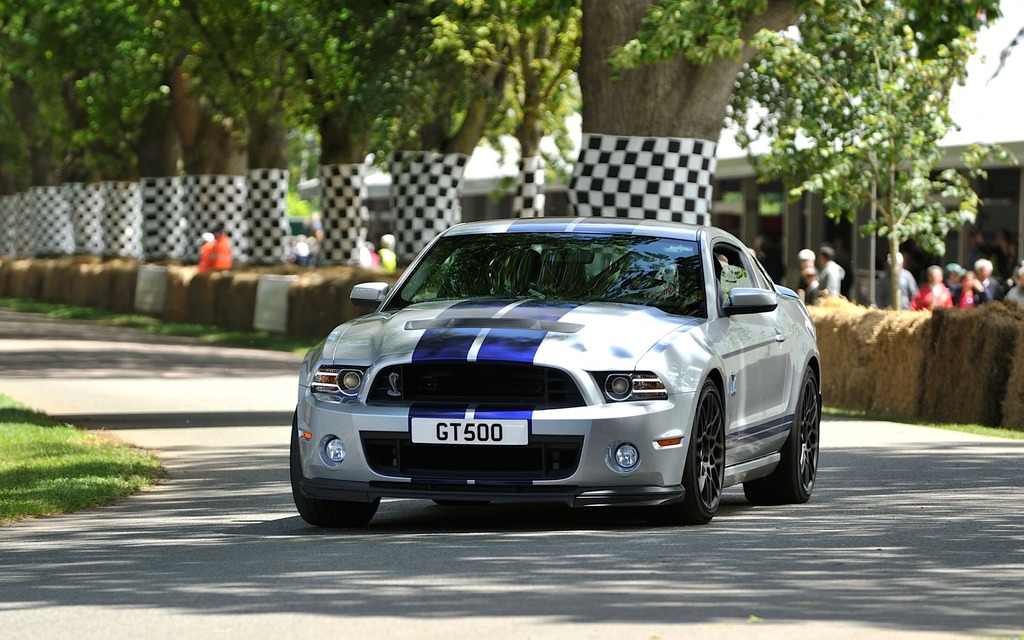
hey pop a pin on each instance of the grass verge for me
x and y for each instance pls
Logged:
(206, 333)
(976, 429)
(47, 467)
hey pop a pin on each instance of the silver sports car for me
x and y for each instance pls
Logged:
(587, 361)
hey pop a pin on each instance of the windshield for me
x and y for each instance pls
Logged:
(655, 272)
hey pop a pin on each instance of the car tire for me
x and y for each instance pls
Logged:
(793, 479)
(324, 513)
(704, 473)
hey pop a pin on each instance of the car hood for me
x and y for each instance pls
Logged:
(592, 336)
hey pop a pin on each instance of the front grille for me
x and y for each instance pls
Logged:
(472, 382)
(544, 458)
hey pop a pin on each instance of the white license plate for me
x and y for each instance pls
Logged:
(469, 431)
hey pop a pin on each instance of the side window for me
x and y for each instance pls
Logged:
(730, 270)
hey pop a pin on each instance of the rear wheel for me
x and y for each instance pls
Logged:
(704, 473)
(324, 513)
(793, 479)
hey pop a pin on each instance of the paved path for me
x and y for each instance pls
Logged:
(911, 533)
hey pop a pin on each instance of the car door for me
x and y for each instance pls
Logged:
(752, 347)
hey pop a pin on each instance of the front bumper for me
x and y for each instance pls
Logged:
(381, 461)
(638, 496)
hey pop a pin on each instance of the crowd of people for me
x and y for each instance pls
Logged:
(997, 276)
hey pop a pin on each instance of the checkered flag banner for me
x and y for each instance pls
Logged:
(343, 210)
(87, 203)
(267, 215)
(1005, 53)
(638, 177)
(425, 191)
(9, 206)
(528, 201)
(25, 236)
(212, 199)
(51, 218)
(163, 218)
(122, 219)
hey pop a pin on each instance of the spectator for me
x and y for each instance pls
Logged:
(216, 255)
(830, 278)
(806, 259)
(905, 282)
(388, 259)
(1016, 294)
(300, 251)
(993, 290)
(968, 293)
(933, 294)
(314, 228)
(811, 290)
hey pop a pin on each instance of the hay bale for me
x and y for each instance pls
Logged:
(124, 276)
(26, 279)
(176, 301)
(5, 277)
(56, 273)
(236, 300)
(1013, 397)
(968, 363)
(896, 353)
(202, 298)
(318, 302)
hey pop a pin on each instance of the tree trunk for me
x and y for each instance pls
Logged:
(340, 143)
(159, 148)
(669, 99)
(266, 141)
(43, 168)
(210, 146)
(895, 291)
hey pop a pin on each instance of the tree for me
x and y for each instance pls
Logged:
(853, 108)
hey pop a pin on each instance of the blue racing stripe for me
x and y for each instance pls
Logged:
(761, 431)
(521, 345)
(452, 344)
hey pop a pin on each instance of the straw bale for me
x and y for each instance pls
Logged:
(1013, 398)
(319, 301)
(56, 273)
(26, 279)
(896, 354)
(124, 277)
(176, 301)
(968, 362)
(91, 285)
(5, 276)
(202, 298)
(236, 300)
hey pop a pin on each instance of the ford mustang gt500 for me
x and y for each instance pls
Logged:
(588, 361)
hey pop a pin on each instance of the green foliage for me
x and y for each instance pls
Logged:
(297, 207)
(699, 30)
(853, 109)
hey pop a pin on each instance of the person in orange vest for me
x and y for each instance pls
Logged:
(216, 254)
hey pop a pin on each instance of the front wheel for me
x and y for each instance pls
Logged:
(704, 473)
(324, 513)
(793, 479)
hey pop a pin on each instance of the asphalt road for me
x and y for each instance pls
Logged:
(911, 532)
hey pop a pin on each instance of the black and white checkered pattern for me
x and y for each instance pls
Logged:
(267, 215)
(528, 201)
(25, 236)
(86, 204)
(52, 220)
(210, 199)
(344, 214)
(425, 190)
(9, 208)
(638, 177)
(122, 219)
(163, 218)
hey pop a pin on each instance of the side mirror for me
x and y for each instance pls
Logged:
(744, 300)
(369, 294)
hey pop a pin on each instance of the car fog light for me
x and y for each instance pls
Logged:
(351, 380)
(618, 387)
(623, 457)
(334, 450)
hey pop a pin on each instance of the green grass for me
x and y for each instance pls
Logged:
(206, 333)
(976, 429)
(47, 467)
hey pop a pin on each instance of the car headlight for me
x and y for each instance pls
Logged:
(626, 386)
(336, 383)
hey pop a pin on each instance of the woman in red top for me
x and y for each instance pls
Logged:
(933, 294)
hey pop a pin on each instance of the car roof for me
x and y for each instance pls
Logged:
(584, 224)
